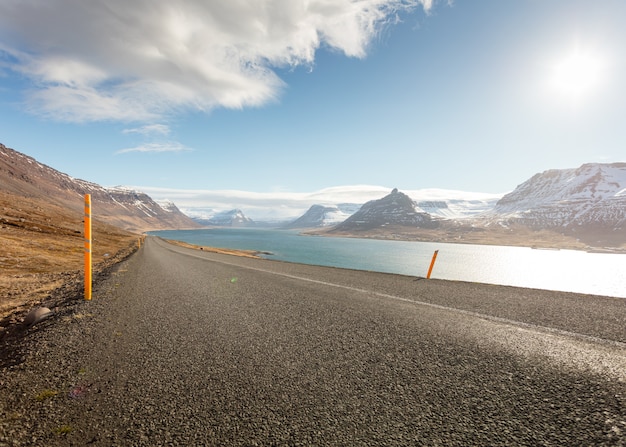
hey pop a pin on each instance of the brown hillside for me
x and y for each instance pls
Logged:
(41, 230)
(131, 210)
(41, 248)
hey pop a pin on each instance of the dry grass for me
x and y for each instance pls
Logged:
(42, 246)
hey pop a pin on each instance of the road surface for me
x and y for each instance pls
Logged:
(185, 347)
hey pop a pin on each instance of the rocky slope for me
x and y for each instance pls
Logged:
(395, 209)
(232, 218)
(23, 176)
(451, 207)
(589, 202)
(318, 216)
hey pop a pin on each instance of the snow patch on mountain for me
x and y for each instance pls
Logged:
(323, 216)
(167, 205)
(199, 212)
(230, 218)
(339, 213)
(592, 194)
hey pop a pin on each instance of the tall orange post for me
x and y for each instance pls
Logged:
(88, 274)
(432, 264)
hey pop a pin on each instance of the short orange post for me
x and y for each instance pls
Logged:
(432, 264)
(88, 275)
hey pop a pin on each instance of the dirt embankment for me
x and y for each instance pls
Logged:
(42, 250)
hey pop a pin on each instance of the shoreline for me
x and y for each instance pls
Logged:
(419, 237)
(225, 251)
(256, 255)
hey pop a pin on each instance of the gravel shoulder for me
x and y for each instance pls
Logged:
(182, 347)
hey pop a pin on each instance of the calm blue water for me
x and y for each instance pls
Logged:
(568, 270)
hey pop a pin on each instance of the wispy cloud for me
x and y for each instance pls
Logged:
(149, 130)
(143, 60)
(169, 146)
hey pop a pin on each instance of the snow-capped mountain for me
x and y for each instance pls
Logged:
(168, 206)
(593, 195)
(198, 213)
(323, 216)
(439, 203)
(395, 209)
(232, 218)
(456, 208)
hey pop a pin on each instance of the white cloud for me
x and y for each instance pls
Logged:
(141, 60)
(168, 146)
(150, 129)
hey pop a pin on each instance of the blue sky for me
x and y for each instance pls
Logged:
(272, 97)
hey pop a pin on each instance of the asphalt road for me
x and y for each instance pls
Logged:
(185, 347)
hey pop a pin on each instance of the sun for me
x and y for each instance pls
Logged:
(577, 74)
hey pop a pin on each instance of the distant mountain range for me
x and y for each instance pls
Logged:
(23, 176)
(587, 204)
(436, 202)
(580, 207)
(341, 201)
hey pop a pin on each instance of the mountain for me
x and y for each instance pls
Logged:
(323, 216)
(279, 209)
(581, 208)
(395, 209)
(23, 176)
(451, 204)
(589, 202)
(168, 206)
(232, 218)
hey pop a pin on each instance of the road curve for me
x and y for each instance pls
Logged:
(184, 347)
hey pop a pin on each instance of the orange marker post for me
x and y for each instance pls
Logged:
(432, 264)
(88, 275)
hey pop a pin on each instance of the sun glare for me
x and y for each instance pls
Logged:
(577, 75)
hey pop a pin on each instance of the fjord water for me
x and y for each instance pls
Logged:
(566, 270)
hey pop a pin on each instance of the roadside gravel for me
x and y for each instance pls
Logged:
(180, 347)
